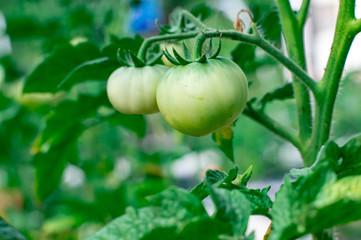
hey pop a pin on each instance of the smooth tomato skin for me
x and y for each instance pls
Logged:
(132, 90)
(200, 98)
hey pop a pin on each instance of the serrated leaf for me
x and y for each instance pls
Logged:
(224, 140)
(7, 232)
(351, 155)
(54, 69)
(204, 228)
(174, 198)
(290, 208)
(326, 158)
(281, 93)
(304, 206)
(232, 207)
(172, 209)
(212, 177)
(260, 201)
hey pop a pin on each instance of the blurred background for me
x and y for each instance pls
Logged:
(112, 167)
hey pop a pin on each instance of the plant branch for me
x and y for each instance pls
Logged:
(329, 84)
(142, 53)
(293, 34)
(194, 20)
(260, 42)
(302, 13)
(357, 26)
(271, 125)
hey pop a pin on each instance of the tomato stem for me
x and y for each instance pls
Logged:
(293, 34)
(329, 84)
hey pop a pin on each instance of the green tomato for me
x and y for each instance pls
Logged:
(200, 98)
(132, 90)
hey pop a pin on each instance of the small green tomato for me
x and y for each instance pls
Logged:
(132, 90)
(200, 98)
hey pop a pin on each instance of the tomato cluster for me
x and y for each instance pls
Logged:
(196, 99)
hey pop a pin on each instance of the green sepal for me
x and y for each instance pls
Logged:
(163, 29)
(170, 58)
(202, 59)
(218, 50)
(155, 59)
(180, 59)
(121, 60)
(136, 62)
(187, 53)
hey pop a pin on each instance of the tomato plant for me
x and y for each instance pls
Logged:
(200, 98)
(84, 160)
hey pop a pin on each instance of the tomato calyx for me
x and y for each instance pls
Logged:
(179, 60)
(131, 60)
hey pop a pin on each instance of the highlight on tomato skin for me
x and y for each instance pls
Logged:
(200, 98)
(132, 90)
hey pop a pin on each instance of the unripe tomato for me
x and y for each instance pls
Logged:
(200, 98)
(132, 90)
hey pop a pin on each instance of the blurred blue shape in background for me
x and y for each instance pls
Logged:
(143, 15)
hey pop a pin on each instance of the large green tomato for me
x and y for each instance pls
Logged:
(200, 98)
(132, 90)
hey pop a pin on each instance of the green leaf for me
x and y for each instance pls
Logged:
(265, 14)
(344, 197)
(162, 233)
(7, 232)
(5, 102)
(97, 69)
(175, 198)
(224, 140)
(293, 200)
(243, 179)
(281, 93)
(327, 158)
(212, 177)
(259, 199)
(130, 44)
(204, 228)
(351, 155)
(303, 206)
(232, 207)
(60, 137)
(173, 207)
(49, 166)
(244, 55)
(54, 69)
